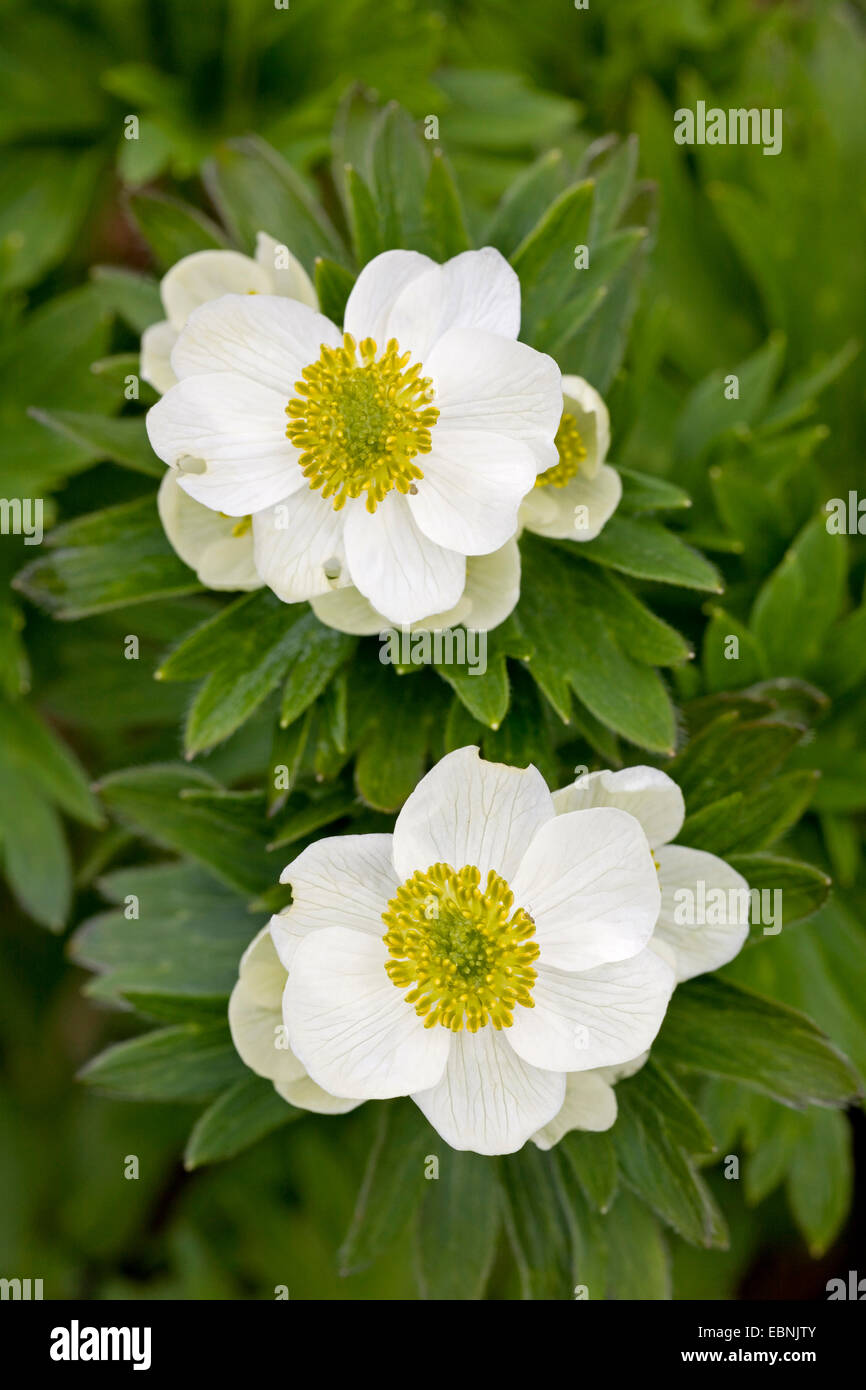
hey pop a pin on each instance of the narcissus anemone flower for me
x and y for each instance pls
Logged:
(378, 457)
(704, 916)
(573, 499)
(475, 958)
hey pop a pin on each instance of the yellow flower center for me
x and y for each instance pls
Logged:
(359, 420)
(245, 524)
(466, 954)
(572, 452)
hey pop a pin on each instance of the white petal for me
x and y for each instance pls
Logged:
(287, 278)
(492, 587)
(204, 539)
(404, 574)
(589, 882)
(590, 1103)
(342, 881)
(255, 1013)
(698, 885)
(477, 289)
(472, 488)
(376, 290)
(485, 382)
(649, 795)
(576, 512)
(206, 275)
(351, 1027)
(593, 421)
(468, 811)
(157, 343)
(238, 430)
(263, 337)
(489, 1100)
(597, 1018)
(619, 1073)
(348, 611)
(296, 542)
(306, 1095)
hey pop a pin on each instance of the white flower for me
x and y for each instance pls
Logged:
(380, 458)
(206, 275)
(694, 885)
(258, 1032)
(574, 499)
(476, 957)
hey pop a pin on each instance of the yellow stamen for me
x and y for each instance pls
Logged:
(360, 419)
(572, 452)
(466, 954)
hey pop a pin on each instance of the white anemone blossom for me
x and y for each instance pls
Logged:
(219, 548)
(490, 959)
(576, 497)
(376, 459)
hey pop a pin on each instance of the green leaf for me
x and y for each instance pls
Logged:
(628, 621)
(333, 287)
(363, 218)
(399, 165)
(708, 413)
(106, 560)
(803, 888)
(799, 602)
(242, 1115)
(46, 194)
(731, 665)
(593, 1160)
(751, 820)
(134, 297)
(401, 712)
(173, 229)
(225, 833)
(33, 850)
(657, 1097)
(643, 492)
(123, 441)
(253, 641)
(821, 1179)
(443, 211)
(31, 745)
(464, 1197)
(184, 1063)
(536, 1222)
(315, 654)
(525, 201)
(732, 754)
(614, 183)
(630, 1227)
(721, 1030)
(255, 191)
(579, 652)
(545, 258)
(392, 1186)
(183, 941)
(660, 1172)
(646, 550)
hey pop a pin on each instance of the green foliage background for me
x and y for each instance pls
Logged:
(740, 264)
